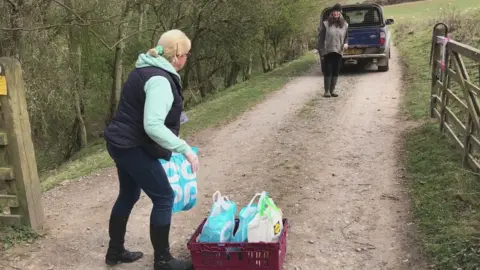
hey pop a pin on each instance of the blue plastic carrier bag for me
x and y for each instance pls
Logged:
(182, 180)
(245, 216)
(221, 222)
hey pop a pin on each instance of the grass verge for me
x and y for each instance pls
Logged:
(415, 50)
(445, 200)
(444, 195)
(423, 9)
(220, 109)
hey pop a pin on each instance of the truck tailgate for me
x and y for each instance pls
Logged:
(364, 37)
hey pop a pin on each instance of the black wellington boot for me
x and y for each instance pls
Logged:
(161, 246)
(332, 86)
(116, 251)
(327, 81)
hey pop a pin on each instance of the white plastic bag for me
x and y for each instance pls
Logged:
(245, 217)
(267, 225)
(221, 221)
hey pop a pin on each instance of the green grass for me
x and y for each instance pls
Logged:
(426, 9)
(445, 200)
(415, 51)
(218, 110)
(9, 236)
(444, 195)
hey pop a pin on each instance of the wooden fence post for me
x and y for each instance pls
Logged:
(19, 168)
(443, 92)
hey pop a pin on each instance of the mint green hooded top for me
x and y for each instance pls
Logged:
(158, 102)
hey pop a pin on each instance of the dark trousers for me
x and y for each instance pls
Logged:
(332, 64)
(139, 171)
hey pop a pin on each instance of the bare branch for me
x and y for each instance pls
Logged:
(14, 5)
(83, 21)
(134, 33)
(69, 10)
(159, 12)
(46, 27)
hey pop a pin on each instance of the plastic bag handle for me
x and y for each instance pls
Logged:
(222, 200)
(272, 205)
(253, 199)
(216, 194)
(262, 203)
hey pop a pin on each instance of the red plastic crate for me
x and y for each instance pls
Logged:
(234, 256)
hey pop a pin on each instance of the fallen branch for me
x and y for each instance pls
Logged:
(193, 94)
(369, 246)
(390, 197)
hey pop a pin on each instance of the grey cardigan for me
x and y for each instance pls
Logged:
(332, 39)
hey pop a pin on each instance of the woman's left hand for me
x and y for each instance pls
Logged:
(193, 159)
(345, 46)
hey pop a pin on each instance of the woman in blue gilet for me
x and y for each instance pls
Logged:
(145, 128)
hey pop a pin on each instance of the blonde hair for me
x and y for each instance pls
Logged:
(171, 44)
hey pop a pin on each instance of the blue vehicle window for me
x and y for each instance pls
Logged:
(361, 16)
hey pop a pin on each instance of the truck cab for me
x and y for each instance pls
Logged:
(369, 37)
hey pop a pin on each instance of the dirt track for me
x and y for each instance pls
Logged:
(330, 164)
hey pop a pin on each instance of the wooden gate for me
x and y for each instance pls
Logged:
(20, 194)
(455, 90)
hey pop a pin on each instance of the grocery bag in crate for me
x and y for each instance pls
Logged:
(245, 216)
(182, 180)
(267, 224)
(221, 222)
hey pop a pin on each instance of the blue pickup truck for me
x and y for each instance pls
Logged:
(369, 38)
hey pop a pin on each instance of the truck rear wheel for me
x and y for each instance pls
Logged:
(383, 68)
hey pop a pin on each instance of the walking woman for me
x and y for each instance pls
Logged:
(144, 129)
(332, 42)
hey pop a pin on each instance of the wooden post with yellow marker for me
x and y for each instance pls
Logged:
(20, 192)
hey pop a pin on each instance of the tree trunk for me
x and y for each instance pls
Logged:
(154, 38)
(275, 56)
(265, 65)
(118, 66)
(225, 76)
(20, 18)
(247, 71)
(143, 16)
(75, 64)
(79, 107)
(270, 64)
(200, 79)
(186, 75)
(199, 72)
(233, 74)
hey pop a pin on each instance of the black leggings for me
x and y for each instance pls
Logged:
(138, 171)
(331, 66)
